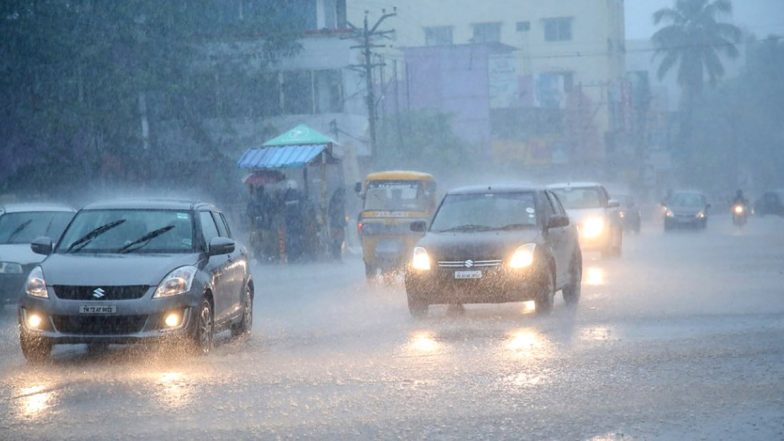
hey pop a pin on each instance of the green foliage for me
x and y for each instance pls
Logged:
(423, 140)
(738, 131)
(74, 75)
(693, 39)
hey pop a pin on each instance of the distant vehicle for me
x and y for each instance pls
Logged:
(686, 209)
(495, 245)
(771, 202)
(596, 216)
(740, 214)
(391, 201)
(20, 224)
(629, 212)
(133, 271)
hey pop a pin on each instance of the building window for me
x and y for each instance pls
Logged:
(265, 94)
(558, 29)
(329, 91)
(438, 36)
(487, 33)
(523, 26)
(297, 92)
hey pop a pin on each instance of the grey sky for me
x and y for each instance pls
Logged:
(761, 17)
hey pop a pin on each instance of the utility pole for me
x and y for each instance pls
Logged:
(366, 37)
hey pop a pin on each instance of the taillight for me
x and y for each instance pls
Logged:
(360, 227)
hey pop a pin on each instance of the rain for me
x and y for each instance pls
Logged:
(409, 219)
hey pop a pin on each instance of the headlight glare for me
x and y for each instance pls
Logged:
(523, 256)
(35, 286)
(593, 227)
(669, 213)
(176, 282)
(421, 260)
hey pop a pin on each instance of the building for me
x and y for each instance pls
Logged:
(559, 84)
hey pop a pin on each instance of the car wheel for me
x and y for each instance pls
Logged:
(202, 336)
(571, 292)
(246, 324)
(35, 349)
(417, 308)
(545, 298)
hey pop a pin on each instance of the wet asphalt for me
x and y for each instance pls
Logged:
(681, 338)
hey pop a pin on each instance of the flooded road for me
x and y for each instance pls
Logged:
(681, 338)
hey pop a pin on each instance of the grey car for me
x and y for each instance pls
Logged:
(495, 245)
(134, 271)
(20, 224)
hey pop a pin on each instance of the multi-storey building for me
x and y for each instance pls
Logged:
(558, 89)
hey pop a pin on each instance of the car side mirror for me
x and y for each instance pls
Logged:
(558, 222)
(220, 245)
(358, 188)
(42, 245)
(612, 203)
(418, 226)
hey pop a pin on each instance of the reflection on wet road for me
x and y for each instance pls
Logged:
(678, 339)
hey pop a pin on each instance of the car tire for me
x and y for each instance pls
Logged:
(246, 324)
(545, 297)
(417, 308)
(35, 349)
(571, 292)
(205, 327)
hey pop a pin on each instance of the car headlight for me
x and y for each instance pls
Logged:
(176, 282)
(669, 213)
(523, 256)
(701, 215)
(593, 227)
(421, 260)
(10, 268)
(35, 285)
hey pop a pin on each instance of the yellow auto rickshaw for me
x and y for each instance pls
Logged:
(391, 201)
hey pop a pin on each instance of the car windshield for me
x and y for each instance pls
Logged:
(121, 231)
(580, 197)
(687, 200)
(485, 212)
(24, 227)
(395, 196)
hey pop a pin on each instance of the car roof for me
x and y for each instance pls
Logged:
(150, 204)
(582, 184)
(26, 207)
(399, 175)
(475, 189)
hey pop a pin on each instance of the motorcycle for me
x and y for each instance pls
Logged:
(740, 215)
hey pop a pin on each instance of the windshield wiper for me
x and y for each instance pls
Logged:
(19, 229)
(469, 227)
(84, 240)
(144, 240)
(514, 227)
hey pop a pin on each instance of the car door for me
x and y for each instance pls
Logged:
(235, 269)
(217, 266)
(559, 238)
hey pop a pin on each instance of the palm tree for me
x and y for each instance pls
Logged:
(693, 39)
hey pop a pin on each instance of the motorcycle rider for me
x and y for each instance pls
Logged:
(740, 200)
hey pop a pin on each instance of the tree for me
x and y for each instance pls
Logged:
(693, 40)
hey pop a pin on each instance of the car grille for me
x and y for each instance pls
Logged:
(99, 325)
(469, 263)
(108, 292)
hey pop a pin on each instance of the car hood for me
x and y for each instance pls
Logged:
(112, 269)
(20, 253)
(476, 246)
(578, 216)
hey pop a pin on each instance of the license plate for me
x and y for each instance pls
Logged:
(468, 274)
(389, 247)
(97, 309)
